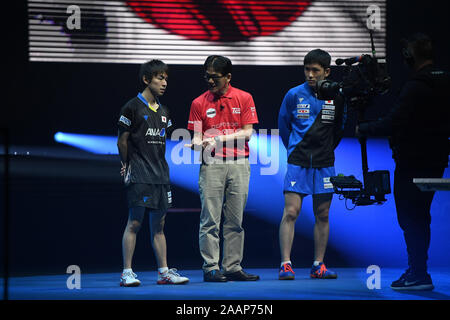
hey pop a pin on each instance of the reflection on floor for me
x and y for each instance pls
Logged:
(350, 285)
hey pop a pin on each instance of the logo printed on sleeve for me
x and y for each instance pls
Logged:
(327, 184)
(163, 119)
(125, 120)
(327, 117)
(293, 183)
(329, 112)
(211, 113)
(303, 110)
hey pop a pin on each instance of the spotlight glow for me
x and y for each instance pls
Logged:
(92, 143)
(367, 235)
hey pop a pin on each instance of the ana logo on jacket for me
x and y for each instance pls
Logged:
(155, 132)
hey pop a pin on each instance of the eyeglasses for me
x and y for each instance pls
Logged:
(214, 77)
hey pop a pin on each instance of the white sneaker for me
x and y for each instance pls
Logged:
(128, 279)
(171, 277)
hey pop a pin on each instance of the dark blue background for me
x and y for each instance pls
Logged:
(73, 211)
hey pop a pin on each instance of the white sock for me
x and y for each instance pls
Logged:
(127, 270)
(316, 263)
(163, 270)
(285, 262)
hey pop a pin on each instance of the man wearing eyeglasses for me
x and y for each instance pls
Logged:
(222, 119)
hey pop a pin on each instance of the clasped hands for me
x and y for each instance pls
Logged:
(205, 144)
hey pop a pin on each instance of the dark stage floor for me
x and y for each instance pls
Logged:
(350, 285)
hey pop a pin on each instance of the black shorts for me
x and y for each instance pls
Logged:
(153, 196)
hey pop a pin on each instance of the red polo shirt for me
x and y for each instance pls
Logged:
(212, 116)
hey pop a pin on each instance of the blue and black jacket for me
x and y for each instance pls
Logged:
(311, 128)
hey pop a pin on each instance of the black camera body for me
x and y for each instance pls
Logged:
(377, 185)
(360, 84)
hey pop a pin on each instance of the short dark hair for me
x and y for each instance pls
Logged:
(422, 45)
(219, 64)
(319, 56)
(151, 69)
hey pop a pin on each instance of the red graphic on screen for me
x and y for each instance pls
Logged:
(220, 20)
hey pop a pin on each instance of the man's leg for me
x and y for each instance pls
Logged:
(321, 208)
(292, 205)
(413, 213)
(211, 187)
(236, 193)
(157, 219)
(165, 275)
(136, 215)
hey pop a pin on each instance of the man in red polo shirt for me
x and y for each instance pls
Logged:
(222, 119)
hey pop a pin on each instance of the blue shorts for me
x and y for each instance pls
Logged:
(308, 180)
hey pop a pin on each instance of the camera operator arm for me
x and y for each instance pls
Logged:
(399, 116)
(381, 127)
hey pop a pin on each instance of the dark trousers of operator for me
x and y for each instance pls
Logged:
(413, 213)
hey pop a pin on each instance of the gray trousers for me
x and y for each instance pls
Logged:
(223, 187)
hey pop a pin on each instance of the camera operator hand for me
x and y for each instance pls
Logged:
(361, 130)
(357, 132)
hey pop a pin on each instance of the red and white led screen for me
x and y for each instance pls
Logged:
(255, 32)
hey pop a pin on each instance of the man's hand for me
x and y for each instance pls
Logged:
(123, 170)
(194, 146)
(357, 133)
(209, 143)
(196, 142)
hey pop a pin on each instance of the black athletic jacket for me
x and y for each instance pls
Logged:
(419, 125)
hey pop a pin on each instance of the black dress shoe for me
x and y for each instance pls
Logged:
(241, 275)
(214, 276)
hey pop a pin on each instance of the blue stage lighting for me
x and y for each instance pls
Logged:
(366, 235)
(92, 143)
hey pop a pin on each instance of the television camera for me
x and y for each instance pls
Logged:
(361, 82)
